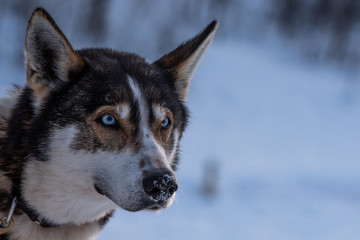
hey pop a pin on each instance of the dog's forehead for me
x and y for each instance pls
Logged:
(109, 71)
(115, 65)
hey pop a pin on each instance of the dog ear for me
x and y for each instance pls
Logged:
(182, 61)
(49, 56)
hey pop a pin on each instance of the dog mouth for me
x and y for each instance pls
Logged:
(99, 190)
(146, 205)
(149, 204)
(155, 208)
(146, 202)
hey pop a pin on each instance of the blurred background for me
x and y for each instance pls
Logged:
(272, 149)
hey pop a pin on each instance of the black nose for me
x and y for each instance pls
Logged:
(160, 186)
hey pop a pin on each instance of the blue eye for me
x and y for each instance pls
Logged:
(165, 123)
(108, 120)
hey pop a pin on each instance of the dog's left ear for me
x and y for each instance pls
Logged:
(182, 61)
(49, 57)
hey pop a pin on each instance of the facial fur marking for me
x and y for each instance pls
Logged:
(159, 112)
(123, 110)
(175, 146)
(151, 147)
(142, 106)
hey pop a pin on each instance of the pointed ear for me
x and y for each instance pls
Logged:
(182, 61)
(49, 56)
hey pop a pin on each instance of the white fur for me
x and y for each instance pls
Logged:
(143, 110)
(123, 111)
(159, 112)
(62, 188)
(171, 156)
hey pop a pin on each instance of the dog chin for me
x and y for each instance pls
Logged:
(158, 206)
(148, 205)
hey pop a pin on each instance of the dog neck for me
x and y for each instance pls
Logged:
(26, 229)
(32, 214)
(28, 225)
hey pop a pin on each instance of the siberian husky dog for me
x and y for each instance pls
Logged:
(91, 130)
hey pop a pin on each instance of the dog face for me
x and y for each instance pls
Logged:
(105, 125)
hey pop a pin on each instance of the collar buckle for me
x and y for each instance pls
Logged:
(7, 223)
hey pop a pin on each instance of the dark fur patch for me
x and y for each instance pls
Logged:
(4, 237)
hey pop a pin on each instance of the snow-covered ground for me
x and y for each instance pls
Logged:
(285, 136)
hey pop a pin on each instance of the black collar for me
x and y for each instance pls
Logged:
(33, 215)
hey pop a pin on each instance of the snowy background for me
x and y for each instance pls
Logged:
(275, 111)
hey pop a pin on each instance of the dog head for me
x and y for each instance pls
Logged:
(105, 125)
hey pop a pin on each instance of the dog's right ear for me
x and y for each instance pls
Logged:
(182, 61)
(48, 54)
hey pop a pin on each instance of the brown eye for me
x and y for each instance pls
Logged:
(165, 123)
